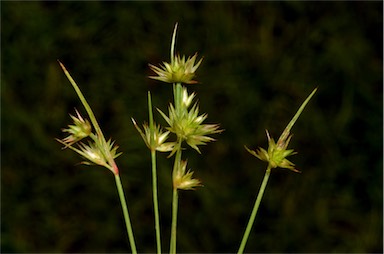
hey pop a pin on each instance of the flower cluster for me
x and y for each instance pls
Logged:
(183, 118)
(81, 129)
(276, 154)
(97, 151)
(179, 70)
(187, 124)
(159, 137)
(182, 179)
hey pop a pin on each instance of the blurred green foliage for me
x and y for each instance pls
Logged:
(261, 60)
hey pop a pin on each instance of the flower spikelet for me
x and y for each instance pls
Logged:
(81, 129)
(188, 125)
(183, 179)
(276, 154)
(97, 152)
(93, 154)
(179, 70)
(159, 137)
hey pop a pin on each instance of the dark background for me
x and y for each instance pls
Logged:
(261, 60)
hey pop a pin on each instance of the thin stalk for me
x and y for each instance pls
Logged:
(155, 202)
(83, 101)
(111, 162)
(254, 211)
(175, 198)
(126, 214)
(154, 176)
(177, 95)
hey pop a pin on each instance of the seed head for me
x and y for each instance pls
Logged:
(159, 137)
(179, 70)
(182, 178)
(187, 124)
(81, 129)
(278, 152)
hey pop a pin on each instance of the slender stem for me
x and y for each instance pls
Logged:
(155, 201)
(126, 214)
(154, 175)
(151, 124)
(174, 221)
(176, 168)
(111, 162)
(254, 211)
(177, 95)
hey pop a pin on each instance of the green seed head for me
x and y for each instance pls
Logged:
(183, 179)
(277, 153)
(81, 129)
(179, 70)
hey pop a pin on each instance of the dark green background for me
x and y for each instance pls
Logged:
(261, 60)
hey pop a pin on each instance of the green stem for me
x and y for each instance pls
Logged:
(111, 162)
(155, 201)
(83, 100)
(154, 175)
(177, 94)
(126, 214)
(174, 221)
(254, 211)
(176, 167)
